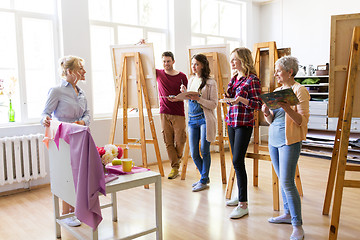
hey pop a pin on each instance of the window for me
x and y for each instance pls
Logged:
(28, 55)
(122, 22)
(217, 22)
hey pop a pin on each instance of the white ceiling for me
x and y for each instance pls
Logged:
(262, 1)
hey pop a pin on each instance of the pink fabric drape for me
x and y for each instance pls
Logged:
(87, 171)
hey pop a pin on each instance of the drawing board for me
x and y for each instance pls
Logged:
(148, 63)
(341, 33)
(224, 59)
(264, 74)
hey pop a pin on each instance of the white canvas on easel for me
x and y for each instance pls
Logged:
(223, 55)
(147, 58)
(135, 87)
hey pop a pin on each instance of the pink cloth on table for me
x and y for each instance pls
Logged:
(51, 131)
(87, 171)
(117, 169)
(110, 177)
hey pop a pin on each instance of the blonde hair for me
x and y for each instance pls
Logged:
(247, 63)
(70, 63)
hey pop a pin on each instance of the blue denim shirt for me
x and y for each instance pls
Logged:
(277, 129)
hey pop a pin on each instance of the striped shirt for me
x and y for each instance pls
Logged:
(249, 88)
(65, 105)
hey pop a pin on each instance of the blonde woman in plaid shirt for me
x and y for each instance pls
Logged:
(244, 90)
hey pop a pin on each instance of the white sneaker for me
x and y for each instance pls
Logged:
(199, 186)
(239, 212)
(72, 221)
(194, 184)
(280, 219)
(232, 202)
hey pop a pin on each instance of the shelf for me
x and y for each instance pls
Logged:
(316, 85)
(319, 93)
(323, 76)
(329, 135)
(321, 143)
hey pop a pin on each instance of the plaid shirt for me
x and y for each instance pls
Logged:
(247, 87)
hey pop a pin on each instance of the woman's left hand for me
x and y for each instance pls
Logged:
(234, 101)
(81, 122)
(285, 105)
(193, 97)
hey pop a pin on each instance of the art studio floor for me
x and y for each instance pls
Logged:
(193, 216)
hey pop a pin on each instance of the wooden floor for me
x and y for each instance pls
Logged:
(192, 216)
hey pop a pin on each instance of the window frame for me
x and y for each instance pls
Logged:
(241, 39)
(19, 15)
(114, 26)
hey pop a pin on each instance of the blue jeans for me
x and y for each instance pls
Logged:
(197, 132)
(284, 160)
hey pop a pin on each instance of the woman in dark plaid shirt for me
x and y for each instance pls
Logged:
(243, 92)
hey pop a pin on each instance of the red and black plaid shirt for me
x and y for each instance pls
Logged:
(247, 87)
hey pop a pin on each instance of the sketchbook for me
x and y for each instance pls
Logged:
(184, 95)
(286, 95)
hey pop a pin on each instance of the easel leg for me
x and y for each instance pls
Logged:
(298, 181)
(150, 116)
(230, 182)
(185, 159)
(334, 159)
(221, 145)
(256, 150)
(345, 133)
(141, 113)
(331, 177)
(275, 180)
(335, 215)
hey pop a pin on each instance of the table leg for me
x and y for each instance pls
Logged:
(95, 235)
(158, 208)
(114, 206)
(57, 215)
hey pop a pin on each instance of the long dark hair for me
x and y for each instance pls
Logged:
(205, 71)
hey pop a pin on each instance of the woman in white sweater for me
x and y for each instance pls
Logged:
(202, 120)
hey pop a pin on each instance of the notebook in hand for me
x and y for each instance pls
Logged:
(185, 95)
(285, 95)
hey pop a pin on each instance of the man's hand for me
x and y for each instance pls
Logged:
(172, 98)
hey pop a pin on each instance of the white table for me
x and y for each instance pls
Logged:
(122, 183)
(62, 186)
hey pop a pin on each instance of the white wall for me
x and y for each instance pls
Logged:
(304, 26)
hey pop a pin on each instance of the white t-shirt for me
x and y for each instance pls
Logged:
(195, 84)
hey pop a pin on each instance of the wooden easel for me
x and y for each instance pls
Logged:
(220, 138)
(273, 56)
(338, 164)
(141, 89)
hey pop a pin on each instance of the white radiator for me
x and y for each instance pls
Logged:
(22, 158)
